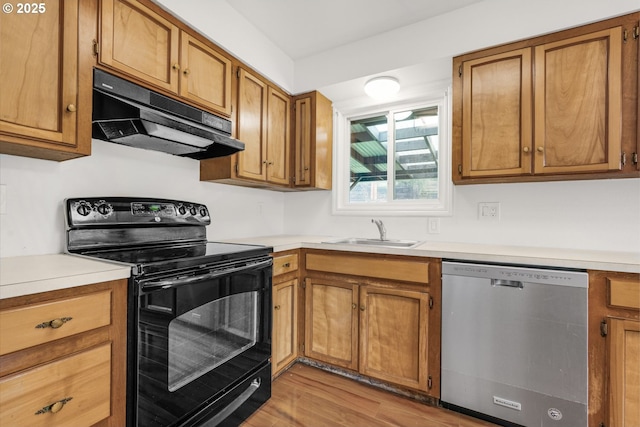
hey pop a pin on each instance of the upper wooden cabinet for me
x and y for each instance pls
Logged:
(45, 106)
(263, 124)
(138, 41)
(313, 137)
(562, 106)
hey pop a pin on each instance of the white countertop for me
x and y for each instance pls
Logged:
(25, 275)
(551, 257)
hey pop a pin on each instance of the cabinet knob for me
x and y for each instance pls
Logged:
(54, 324)
(186, 71)
(540, 149)
(354, 306)
(362, 308)
(277, 307)
(176, 66)
(525, 149)
(71, 108)
(54, 407)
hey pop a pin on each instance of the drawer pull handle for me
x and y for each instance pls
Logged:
(54, 407)
(55, 323)
(286, 265)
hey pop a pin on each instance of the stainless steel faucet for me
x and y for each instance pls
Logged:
(381, 229)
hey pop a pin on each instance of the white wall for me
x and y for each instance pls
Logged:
(596, 215)
(34, 222)
(603, 214)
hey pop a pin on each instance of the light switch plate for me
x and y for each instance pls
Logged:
(433, 225)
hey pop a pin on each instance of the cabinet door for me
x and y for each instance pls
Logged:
(578, 103)
(624, 373)
(313, 137)
(393, 335)
(496, 115)
(278, 131)
(205, 75)
(39, 75)
(285, 325)
(139, 42)
(252, 117)
(331, 322)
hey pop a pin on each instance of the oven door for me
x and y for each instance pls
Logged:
(199, 336)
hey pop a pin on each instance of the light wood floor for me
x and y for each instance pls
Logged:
(305, 396)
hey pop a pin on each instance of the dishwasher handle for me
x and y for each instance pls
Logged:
(507, 283)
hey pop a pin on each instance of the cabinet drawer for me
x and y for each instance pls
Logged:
(82, 381)
(36, 324)
(285, 264)
(382, 268)
(624, 293)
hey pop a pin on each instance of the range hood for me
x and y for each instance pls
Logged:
(126, 113)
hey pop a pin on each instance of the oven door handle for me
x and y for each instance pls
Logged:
(150, 285)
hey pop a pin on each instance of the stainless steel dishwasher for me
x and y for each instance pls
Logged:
(514, 343)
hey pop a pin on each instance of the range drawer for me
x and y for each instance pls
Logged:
(74, 391)
(35, 324)
(284, 264)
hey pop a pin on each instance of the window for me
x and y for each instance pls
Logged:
(395, 160)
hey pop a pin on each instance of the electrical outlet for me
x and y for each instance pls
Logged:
(433, 226)
(3, 199)
(489, 211)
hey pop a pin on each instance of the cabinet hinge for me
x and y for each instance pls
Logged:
(429, 382)
(634, 158)
(238, 73)
(237, 169)
(302, 348)
(604, 328)
(636, 32)
(623, 158)
(96, 48)
(430, 302)
(304, 284)
(460, 71)
(460, 169)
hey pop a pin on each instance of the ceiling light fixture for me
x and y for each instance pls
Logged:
(382, 87)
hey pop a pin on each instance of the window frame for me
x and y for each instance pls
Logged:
(442, 206)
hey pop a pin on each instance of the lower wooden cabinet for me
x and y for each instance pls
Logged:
(393, 335)
(63, 357)
(70, 391)
(285, 303)
(284, 341)
(614, 349)
(624, 372)
(372, 314)
(331, 322)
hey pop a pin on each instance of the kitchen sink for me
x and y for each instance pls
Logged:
(407, 244)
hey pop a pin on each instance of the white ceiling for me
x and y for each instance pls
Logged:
(302, 28)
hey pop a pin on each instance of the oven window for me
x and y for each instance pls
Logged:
(207, 336)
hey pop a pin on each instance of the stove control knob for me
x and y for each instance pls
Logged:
(83, 209)
(104, 208)
(182, 210)
(193, 210)
(203, 211)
